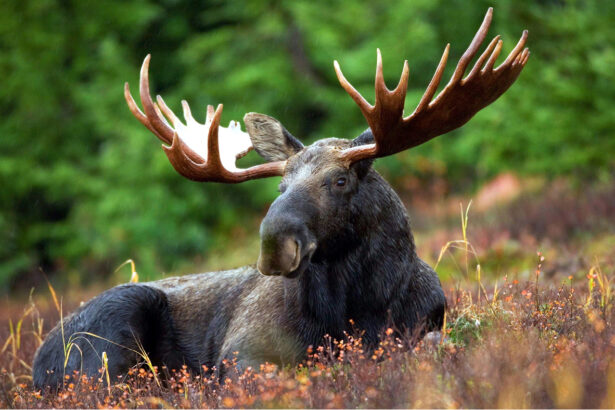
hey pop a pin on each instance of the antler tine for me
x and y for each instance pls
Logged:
(494, 56)
(167, 111)
(161, 115)
(389, 104)
(187, 112)
(478, 39)
(381, 88)
(213, 146)
(210, 114)
(134, 109)
(383, 94)
(434, 83)
(487, 54)
(526, 55)
(155, 119)
(402, 85)
(513, 54)
(365, 107)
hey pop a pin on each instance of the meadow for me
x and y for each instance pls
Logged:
(529, 323)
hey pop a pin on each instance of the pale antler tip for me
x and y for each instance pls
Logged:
(405, 72)
(527, 57)
(489, 14)
(486, 22)
(145, 70)
(402, 86)
(445, 53)
(339, 74)
(378, 62)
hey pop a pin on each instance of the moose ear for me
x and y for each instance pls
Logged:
(270, 139)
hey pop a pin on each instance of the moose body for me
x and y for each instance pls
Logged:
(372, 276)
(337, 253)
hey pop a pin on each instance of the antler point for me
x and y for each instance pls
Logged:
(489, 14)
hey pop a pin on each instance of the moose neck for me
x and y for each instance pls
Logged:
(357, 274)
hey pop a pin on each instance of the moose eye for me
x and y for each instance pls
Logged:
(341, 181)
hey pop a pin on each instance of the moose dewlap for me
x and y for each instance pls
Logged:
(336, 244)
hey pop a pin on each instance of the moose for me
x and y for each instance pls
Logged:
(336, 251)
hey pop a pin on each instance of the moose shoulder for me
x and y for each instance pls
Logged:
(336, 244)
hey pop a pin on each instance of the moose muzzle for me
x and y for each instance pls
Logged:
(279, 257)
(286, 243)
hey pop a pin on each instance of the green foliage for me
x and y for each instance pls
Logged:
(85, 187)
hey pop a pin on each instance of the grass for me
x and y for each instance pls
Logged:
(539, 334)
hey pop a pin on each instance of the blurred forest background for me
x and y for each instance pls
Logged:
(84, 186)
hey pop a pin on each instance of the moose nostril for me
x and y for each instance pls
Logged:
(290, 254)
(297, 255)
(279, 256)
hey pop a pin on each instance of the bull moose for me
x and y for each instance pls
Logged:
(335, 245)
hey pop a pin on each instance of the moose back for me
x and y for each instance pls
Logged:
(336, 244)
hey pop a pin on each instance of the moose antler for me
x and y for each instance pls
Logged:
(453, 107)
(195, 150)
